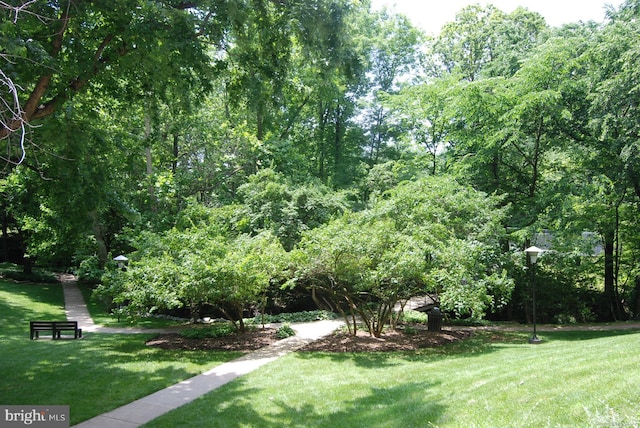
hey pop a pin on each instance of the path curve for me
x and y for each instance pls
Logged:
(152, 406)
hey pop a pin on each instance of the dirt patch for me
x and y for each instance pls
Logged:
(339, 341)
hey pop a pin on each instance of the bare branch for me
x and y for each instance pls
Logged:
(11, 113)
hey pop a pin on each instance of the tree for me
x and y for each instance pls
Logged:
(271, 203)
(72, 45)
(486, 42)
(461, 230)
(360, 268)
(614, 123)
(422, 109)
(11, 115)
(393, 57)
(244, 275)
(195, 267)
(430, 235)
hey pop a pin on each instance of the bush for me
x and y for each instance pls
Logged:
(413, 317)
(304, 316)
(89, 270)
(285, 331)
(217, 330)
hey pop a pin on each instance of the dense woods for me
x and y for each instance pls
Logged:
(252, 155)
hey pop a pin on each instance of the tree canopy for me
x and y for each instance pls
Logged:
(246, 149)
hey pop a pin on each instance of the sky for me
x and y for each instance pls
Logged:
(430, 15)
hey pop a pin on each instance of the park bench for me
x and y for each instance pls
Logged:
(55, 327)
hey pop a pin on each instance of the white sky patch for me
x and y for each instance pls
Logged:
(431, 15)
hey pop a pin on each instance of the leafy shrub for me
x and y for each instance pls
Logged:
(285, 331)
(89, 270)
(304, 316)
(413, 317)
(216, 330)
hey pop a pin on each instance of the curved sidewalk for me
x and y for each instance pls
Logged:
(152, 406)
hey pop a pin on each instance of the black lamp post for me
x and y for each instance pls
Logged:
(533, 253)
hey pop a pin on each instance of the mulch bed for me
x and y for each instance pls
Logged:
(249, 341)
(340, 341)
(390, 341)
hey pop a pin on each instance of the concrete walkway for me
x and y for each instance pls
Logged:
(76, 310)
(152, 406)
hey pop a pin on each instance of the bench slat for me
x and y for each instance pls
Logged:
(55, 327)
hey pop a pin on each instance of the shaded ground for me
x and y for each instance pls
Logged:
(249, 341)
(337, 342)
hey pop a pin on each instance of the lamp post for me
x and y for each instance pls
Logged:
(533, 253)
(122, 261)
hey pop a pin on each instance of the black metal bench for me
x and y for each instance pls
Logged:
(55, 327)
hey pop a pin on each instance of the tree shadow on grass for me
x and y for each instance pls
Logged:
(588, 334)
(21, 303)
(480, 343)
(401, 405)
(95, 374)
(395, 406)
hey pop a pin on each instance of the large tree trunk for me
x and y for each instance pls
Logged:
(614, 306)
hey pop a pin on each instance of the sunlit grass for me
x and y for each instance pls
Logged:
(583, 378)
(93, 375)
(493, 380)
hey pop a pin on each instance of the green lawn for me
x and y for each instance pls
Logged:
(93, 375)
(494, 380)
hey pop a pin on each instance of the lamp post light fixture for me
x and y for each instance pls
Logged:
(122, 261)
(533, 253)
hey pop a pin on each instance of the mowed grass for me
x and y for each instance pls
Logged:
(586, 379)
(93, 375)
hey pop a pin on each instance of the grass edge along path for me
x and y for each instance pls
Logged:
(575, 378)
(93, 375)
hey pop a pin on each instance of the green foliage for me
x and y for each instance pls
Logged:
(413, 317)
(89, 270)
(218, 330)
(271, 203)
(285, 331)
(291, 317)
(216, 148)
(429, 235)
(193, 267)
